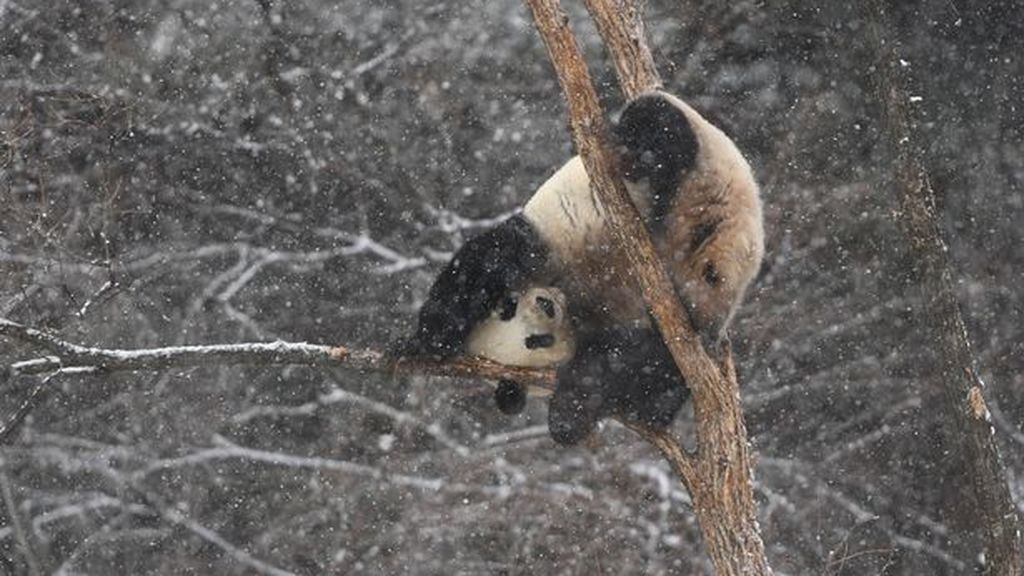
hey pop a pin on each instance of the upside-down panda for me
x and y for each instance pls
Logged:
(701, 205)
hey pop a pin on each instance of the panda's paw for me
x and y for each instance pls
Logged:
(510, 397)
(568, 433)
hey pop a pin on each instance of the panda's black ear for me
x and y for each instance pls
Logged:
(657, 143)
(508, 308)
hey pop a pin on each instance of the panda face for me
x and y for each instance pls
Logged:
(530, 328)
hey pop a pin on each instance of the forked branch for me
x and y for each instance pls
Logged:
(719, 475)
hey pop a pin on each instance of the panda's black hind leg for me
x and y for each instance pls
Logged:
(482, 273)
(625, 373)
(643, 384)
(658, 144)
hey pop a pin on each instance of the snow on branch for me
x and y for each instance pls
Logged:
(64, 355)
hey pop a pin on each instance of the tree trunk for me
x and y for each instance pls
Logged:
(963, 401)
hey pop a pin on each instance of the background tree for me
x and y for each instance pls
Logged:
(961, 394)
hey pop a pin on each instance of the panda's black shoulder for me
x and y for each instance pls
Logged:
(658, 143)
(654, 123)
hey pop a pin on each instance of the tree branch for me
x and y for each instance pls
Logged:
(621, 26)
(718, 476)
(67, 355)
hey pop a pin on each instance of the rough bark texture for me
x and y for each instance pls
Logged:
(621, 25)
(963, 401)
(719, 474)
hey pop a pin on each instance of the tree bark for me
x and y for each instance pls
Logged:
(68, 357)
(963, 402)
(621, 25)
(718, 476)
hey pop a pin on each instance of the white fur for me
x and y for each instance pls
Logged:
(504, 341)
(588, 264)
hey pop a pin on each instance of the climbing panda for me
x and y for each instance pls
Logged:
(701, 205)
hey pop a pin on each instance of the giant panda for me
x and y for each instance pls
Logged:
(698, 198)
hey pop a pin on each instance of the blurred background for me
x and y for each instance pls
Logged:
(188, 172)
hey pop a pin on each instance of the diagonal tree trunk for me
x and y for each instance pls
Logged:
(718, 475)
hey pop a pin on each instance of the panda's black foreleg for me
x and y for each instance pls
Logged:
(653, 391)
(657, 146)
(641, 382)
(473, 284)
(616, 372)
(578, 401)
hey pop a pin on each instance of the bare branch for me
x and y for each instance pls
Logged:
(621, 25)
(10, 424)
(13, 517)
(67, 355)
(210, 536)
(337, 395)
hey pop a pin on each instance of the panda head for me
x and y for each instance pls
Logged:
(530, 328)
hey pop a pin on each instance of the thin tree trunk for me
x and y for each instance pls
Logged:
(963, 401)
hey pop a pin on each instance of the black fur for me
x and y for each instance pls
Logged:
(483, 272)
(702, 233)
(534, 341)
(711, 275)
(547, 305)
(508, 309)
(658, 143)
(620, 372)
(510, 397)
(627, 373)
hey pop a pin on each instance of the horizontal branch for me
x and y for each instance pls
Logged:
(64, 355)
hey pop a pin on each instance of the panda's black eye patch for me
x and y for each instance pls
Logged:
(711, 275)
(547, 306)
(535, 341)
(508, 309)
(702, 232)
